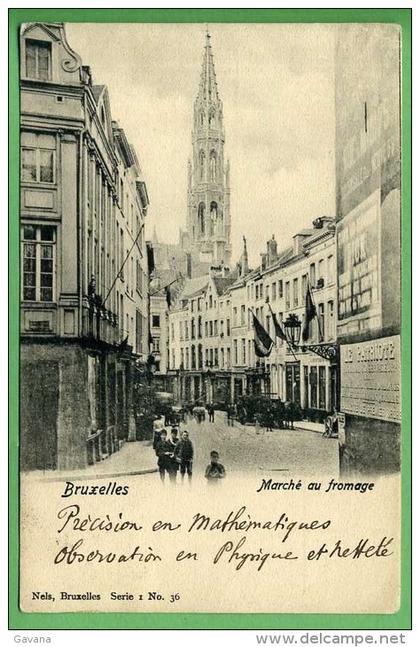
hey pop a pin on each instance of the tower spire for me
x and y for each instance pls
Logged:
(208, 192)
(208, 85)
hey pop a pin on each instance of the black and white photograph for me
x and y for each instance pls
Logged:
(210, 290)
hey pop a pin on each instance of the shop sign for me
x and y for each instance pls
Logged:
(371, 379)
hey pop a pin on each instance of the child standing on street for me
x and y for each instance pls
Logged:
(184, 454)
(215, 470)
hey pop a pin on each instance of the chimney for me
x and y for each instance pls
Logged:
(263, 261)
(271, 251)
(244, 267)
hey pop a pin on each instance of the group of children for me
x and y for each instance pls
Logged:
(176, 454)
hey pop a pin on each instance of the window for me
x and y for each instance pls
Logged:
(322, 389)
(330, 269)
(38, 60)
(139, 277)
(38, 260)
(312, 275)
(243, 351)
(172, 331)
(274, 291)
(228, 358)
(313, 382)
(138, 331)
(280, 289)
(235, 351)
(215, 327)
(330, 320)
(211, 328)
(38, 158)
(267, 323)
(304, 287)
(222, 357)
(121, 254)
(206, 329)
(242, 315)
(267, 292)
(228, 327)
(156, 344)
(321, 319)
(295, 293)
(216, 357)
(321, 270)
(235, 316)
(287, 295)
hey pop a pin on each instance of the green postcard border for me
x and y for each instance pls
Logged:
(53, 621)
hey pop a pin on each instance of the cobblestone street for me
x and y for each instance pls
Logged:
(289, 451)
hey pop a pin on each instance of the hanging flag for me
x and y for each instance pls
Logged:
(168, 296)
(310, 313)
(262, 340)
(122, 347)
(277, 325)
(150, 258)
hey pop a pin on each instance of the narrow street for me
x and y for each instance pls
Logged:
(241, 449)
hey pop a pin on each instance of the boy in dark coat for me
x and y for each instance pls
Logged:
(165, 453)
(184, 454)
(215, 470)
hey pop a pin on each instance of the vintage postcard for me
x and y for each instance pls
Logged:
(212, 230)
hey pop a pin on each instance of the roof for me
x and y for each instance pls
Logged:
(194, 286)
(222, 283)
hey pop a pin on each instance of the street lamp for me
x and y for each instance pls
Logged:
(292, 327)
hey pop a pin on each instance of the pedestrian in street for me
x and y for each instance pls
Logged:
(215, 470)
(174, 440)
(184, 454)
(229, 414)
(269, 420)
(233, 414)
(210, 410)
(165, 453)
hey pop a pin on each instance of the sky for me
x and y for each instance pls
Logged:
(277, 87)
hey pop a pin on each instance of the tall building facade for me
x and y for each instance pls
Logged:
(211, 332)
(368, 245)
(84, 275)
(208, 219)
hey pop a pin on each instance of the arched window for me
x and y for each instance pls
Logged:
(213, 165)
(201, 218)
(212, 118)
(201, 118)
(201, 158)
(213, 217)
(102, 115)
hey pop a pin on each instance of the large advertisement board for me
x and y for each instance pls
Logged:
(359, 267)
(370, 379)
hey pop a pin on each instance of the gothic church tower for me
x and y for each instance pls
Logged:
(208, 222)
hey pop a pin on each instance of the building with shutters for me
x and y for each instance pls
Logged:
(84, 275)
